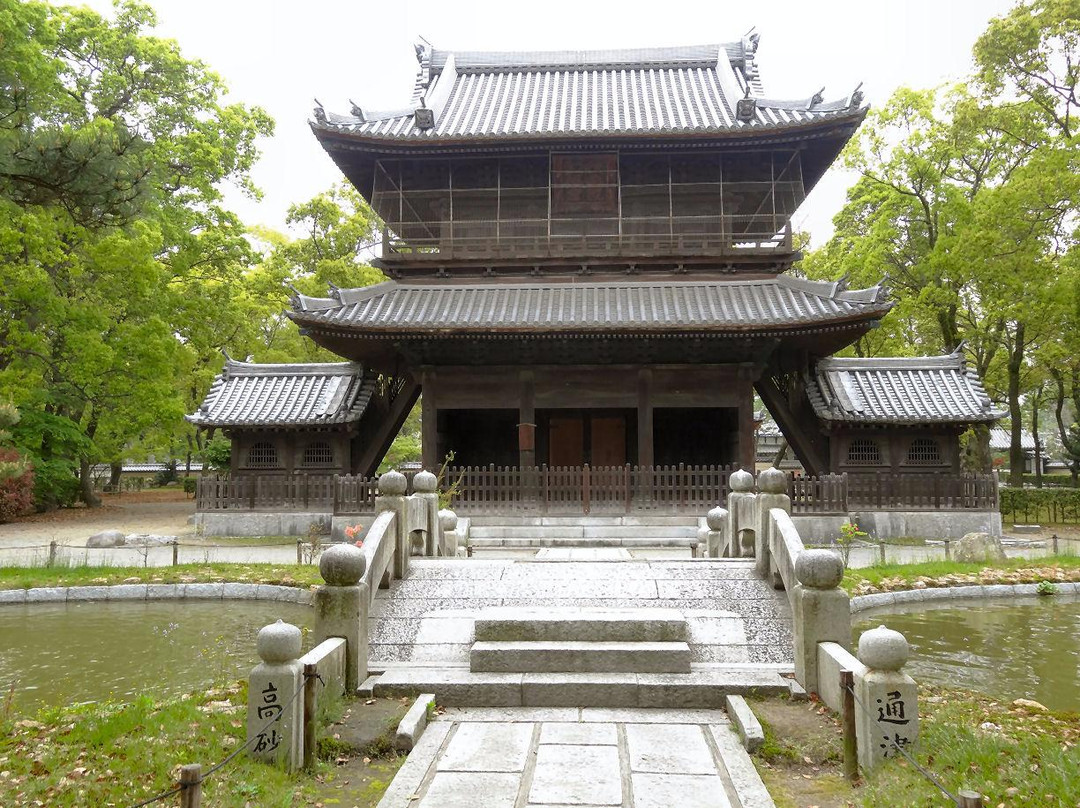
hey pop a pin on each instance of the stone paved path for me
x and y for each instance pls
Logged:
(733, 617)
(519, 757)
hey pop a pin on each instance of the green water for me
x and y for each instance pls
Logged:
(1006, 649)
(68, 653)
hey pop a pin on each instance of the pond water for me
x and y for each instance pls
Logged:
(1006, 649)
(68, 653)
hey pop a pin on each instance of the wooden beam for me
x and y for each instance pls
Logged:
(801, 433)
(646, 454)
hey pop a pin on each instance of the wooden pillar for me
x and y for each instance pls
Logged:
(429, 434)
(646, 455)
(527, 420)
(747, 449)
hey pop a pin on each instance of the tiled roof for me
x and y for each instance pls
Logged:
(780, 302)
(253, 395)
(1001, 439)
(648, 91)
(909, 390)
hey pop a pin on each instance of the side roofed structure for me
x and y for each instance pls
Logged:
(897, 414)
(290, 418)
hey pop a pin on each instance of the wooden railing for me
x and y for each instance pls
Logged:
(602, 490)
(253, 493)
(901, 492)
(588, 489)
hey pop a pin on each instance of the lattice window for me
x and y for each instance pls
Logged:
(262, 455)
(924, 452)
(864, 452)
(318, 454)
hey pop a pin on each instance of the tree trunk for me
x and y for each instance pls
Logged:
(1016, 451)
(781, 453)
(116, 468)
(979, 459)
(1037, 459)
(86, 485)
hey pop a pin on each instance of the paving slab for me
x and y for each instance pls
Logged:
(669, 749)
(624, 759)
(577, 775)
(579, 734)
(485, 747)
(683, 790)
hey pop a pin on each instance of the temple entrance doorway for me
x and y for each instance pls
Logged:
(579, 437)
(696, 436)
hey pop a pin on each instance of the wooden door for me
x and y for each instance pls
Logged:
(608, 440)
(566, 440)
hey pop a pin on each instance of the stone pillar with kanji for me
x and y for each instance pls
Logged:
(275, 725)
(341, 608)
(886, 706)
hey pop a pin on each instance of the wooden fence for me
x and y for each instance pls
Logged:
(588, 489)
(602, 490)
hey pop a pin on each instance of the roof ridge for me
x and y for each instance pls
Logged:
(468, 61)
(235, 367)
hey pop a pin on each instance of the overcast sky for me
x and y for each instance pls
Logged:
(280, 54)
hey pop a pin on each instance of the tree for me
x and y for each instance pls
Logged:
(113, 147)
(16, 473)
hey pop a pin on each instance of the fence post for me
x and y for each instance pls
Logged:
(311, 681)
(881, 551)
(299, 551)
(1054, 539)
(175, 552)
(52, 552)
(970, 799)
(948, 550)
(191, 786)
(851, 747)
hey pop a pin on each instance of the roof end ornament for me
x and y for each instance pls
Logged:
(816, 98)
(320, 113)
(856, 97)
(357, 112)
(746, 107)
(297, 297)
(424, 116)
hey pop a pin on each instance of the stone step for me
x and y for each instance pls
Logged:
(580, 657)
(583, 531)
(565, 541)
(570, 624)
(460, 687)
(583, 520)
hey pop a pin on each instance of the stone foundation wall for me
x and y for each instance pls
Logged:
(894, 524)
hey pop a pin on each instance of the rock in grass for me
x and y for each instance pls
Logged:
(978, 548)
(106, 538)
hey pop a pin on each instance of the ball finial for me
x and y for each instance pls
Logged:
(425, 483)
(772, 481)
(393, 484)
(882, 649)
(342, 565)
(278, 642)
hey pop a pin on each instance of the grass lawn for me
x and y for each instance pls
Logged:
(280, 574)
(1016, 756)
(893, 577)
(118, 754)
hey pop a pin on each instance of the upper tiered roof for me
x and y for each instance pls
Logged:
(645, 92)
(906, 390)
(301, 395)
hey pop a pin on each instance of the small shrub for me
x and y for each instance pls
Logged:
(849, 535)
(1046, 588)
(189, 485)
(16, 484)
(166, 475)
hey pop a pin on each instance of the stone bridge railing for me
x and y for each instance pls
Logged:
(758, 525)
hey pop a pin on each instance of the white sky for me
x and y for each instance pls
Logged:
(280, 55)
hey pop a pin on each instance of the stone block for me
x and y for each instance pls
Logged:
(487, 747)
(12, 596)
(579, 690)
(741, 771)
(683, 790)
(127, 592)
(204, 591)
(576, 775)
(412, 725)
(471, 789)
(275, 712)
(88, 593)
(47, 594)
(577, 625)
(746, 723)
(668, 749)
(239, 591)
(453, 687)
(578, 734)
(164, 591)
(342, 611)
(366, 690)
(818, 615)
(581, 657)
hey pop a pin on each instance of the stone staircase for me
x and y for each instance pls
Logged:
(570, 657)
(630, 532)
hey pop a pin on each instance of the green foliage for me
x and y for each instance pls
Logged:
(190, 484)
(407, 446)
(850, 535)
(167, 475)
(1040, 505)
(1046, 588)
(217, 454)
